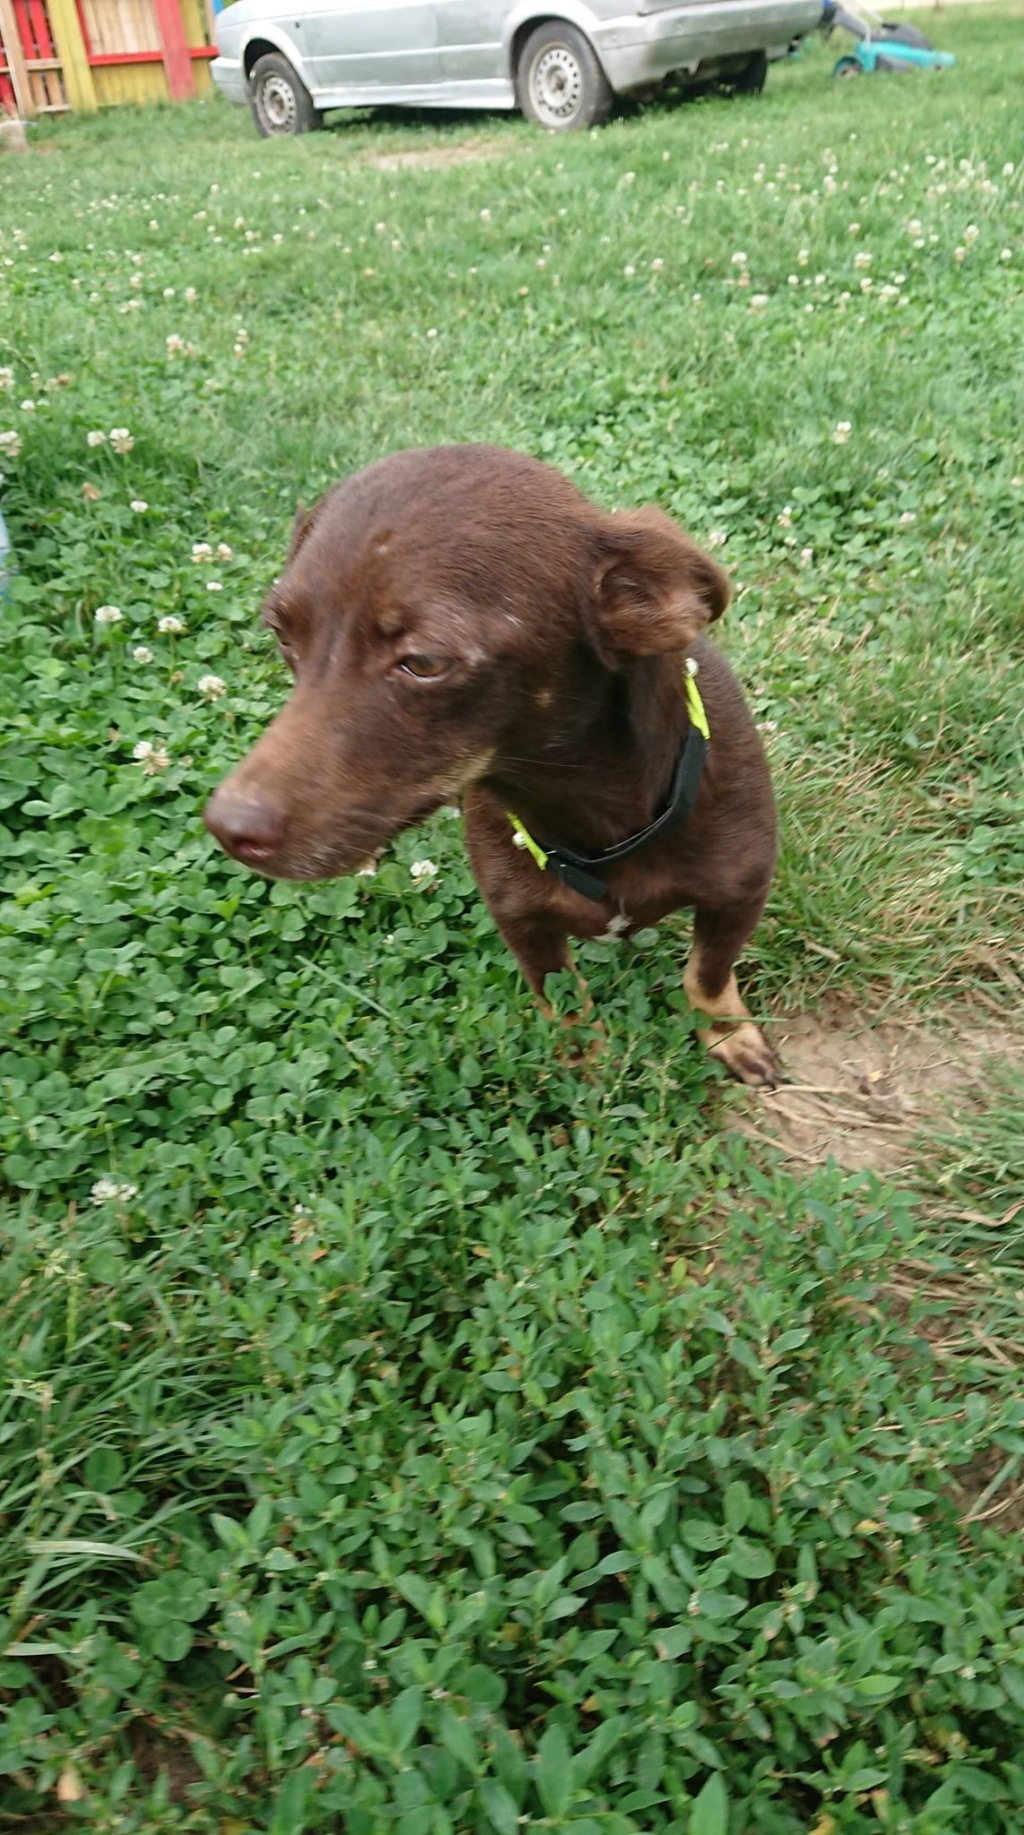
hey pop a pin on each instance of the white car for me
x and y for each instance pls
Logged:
(562, 65)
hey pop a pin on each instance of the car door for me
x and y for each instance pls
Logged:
(471, 39)
(386, 50)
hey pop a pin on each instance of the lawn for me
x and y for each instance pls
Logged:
(400, 1430)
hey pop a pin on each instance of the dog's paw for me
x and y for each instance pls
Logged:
(746, 1054)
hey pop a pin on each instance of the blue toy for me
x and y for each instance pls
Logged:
(881, 45)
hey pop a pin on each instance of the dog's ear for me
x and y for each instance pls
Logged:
(654, 589)
(303, 526)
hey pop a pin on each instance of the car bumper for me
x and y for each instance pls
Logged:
(229, 76)
(637, 52)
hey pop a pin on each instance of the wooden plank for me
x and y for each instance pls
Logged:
(193, 23)
(67, 30)
(177, 63)
(15, 61)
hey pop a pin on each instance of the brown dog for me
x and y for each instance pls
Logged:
(462, 623)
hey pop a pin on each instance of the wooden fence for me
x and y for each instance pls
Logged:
(61, 54)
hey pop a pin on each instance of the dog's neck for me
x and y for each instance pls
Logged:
(600, 766)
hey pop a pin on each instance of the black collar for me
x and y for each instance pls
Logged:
(584, 872)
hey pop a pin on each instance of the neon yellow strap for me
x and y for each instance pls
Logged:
(695, 708)
(526, 840)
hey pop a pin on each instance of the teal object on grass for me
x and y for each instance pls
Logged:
(881, 45)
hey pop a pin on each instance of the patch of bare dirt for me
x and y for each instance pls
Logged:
(861, 1091)
(429, 159)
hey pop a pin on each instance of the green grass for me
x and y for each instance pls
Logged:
(397, 1430)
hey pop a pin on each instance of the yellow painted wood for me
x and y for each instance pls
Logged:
(15, 61)
(194, 23)
(67, 34)
(137, 83)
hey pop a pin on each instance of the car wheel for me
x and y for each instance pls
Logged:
(561, 84)
(753, 77)
(280, 103)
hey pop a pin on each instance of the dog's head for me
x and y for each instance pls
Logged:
(445, 613)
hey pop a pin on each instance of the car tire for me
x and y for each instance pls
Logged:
(281, 104)
(753, 77)
(559, 82)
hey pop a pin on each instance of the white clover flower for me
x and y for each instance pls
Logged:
(907, 518)
(803, 256)
(6, 377)
(785, 517)
(56, 256)
(657, 264)
(224, 552)
(806, 556)
(629, 271)
(958, 254)
(175, 343)
(1006, 254)
(28, 407)
(103, 1190)
(139, 505)
(914, 226)
(717, 538)
(739, 260)
(96, 438)
(214, 586)
(841, 432)
(862, 258)
(169, 292)
(211, 686)
(152, 758)
(191, 296)
(121, 440)
(792, 280)
(758, 301)
(107, 614)
(1008, 169)
(853, 229)
(367, 871)
(170, 625)
(422, 872)
(201, 551)
(141, 654)
(971, 233)
(10, 444)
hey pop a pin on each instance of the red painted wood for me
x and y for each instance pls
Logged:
(34, 28)
(98, 59)
(177, 62)
(83, 28)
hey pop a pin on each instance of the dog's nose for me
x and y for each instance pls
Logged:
(247, 824)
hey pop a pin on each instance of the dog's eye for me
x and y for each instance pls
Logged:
(424, 668)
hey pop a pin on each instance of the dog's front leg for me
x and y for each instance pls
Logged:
(540, 950)
(710, 986)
